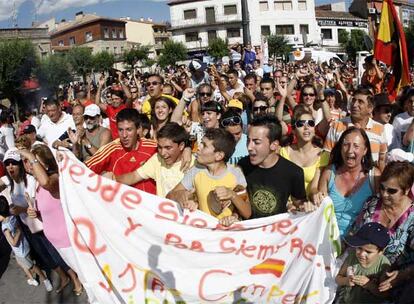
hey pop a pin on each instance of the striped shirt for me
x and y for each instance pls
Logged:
(375, 132)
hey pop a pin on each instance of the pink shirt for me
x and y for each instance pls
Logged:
(54, 224)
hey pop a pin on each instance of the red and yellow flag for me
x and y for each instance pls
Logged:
(269, 266)
(391, 47)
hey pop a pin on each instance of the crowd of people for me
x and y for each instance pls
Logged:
(239, 139)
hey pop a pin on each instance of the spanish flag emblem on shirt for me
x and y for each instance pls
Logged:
(391, 47)
(269, 266)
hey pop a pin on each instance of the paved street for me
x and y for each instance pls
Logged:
(14, 289)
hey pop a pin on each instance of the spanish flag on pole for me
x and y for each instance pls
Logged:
(391, 48)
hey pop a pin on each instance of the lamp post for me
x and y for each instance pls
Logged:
(245, 22)
(200, 40)
(322, 40)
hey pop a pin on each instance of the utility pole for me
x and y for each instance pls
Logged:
(245, 22)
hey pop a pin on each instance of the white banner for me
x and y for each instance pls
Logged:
(133, 247)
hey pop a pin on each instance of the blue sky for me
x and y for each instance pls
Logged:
(66, 9)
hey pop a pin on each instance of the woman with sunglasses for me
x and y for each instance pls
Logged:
(22, 185)
(304, 153)
(232, 122)
(204, 94)
(350, 179)
(394, 208)
(46, 172)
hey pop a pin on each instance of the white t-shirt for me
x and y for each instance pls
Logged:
(401, 123)
(6, 139)
(50, 131)
(35, 122)
(259, 72)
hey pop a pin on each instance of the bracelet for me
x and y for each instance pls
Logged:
(34, 161)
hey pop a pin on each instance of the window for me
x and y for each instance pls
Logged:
(283, 5)
(72, 41)
(191, 36)
(265, 29)
(115, 49)
(61, 43)
(263, 6)
(285, 29)
(122, 49)
(113, 33)
(107, 49)
(212, 35)
(230, 9)
(190, 14)
(106, 32)
(327, 34)
(304, 29)
(88, 36)
(302, 5)
(121, 34)
(233, 32)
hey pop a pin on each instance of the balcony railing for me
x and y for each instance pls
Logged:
(203, 21)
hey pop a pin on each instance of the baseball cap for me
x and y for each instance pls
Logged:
(235, 103)
(381, 100)
(329, 92)
(196, 65)
(370, 233)
(12, 154)
(92, 110)
(29, 129)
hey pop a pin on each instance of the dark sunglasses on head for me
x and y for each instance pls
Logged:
(11, 162)
(300, 123)
(390, 191)
(308, 94)
(261, 108)
(154, 83)
(205, 94)
(86, 117)
(231, 121)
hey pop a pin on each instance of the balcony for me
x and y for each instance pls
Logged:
(162, 35)
(202, 21)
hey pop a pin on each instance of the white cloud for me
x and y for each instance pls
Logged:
(6, 8)
(50, 6)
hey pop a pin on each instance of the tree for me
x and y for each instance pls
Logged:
(81, 61)
(218, 48)
(134, 55)
(409, 37)
(343, 36)
(354, 43)
(103, 61)
(17, 61)
(171, 53)
(278, 45)
(54, 71)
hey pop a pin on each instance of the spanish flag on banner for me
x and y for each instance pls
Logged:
(269, 266)
(391, 48)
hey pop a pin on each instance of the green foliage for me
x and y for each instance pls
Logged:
(343, 36)
(134, 55)
(172, 52)
(17, 61)
(103, 61)
(81, 60)
(218, 48)
(355, 43)
(409, 37)
(278, 45)
(53, 71)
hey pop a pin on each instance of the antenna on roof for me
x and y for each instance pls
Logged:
(14, 15)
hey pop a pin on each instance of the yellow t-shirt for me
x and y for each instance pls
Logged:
(309, 172)
(203, 182)
(165, 177)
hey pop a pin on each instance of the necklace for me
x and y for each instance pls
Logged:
(395, 219)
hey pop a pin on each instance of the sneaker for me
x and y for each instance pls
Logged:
(32, 282)
(48, 285)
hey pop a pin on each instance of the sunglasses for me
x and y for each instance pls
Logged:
(154, 83)
(231, 121)
(308, 94)
(11, 162)
(390, 191)
(261, 108)
(204, 94)
(86, 117)
(308, 122)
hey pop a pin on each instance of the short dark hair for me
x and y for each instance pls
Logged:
(213, 106)
(51, 102)
(4, 206)
(403, 172)
(268, 80)
(234, 72)
(250, 76)
(367, 92)
(271, 123)
(223, 141)
(161, 79)
(173, 131)
(129, 115)
(118, 93)
(336, 155)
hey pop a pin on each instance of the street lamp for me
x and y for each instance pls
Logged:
(321, 39)
(200, 40)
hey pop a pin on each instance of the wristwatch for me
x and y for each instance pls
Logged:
(34, 161)
(88, 146)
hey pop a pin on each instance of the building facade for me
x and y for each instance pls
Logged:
(195, 23)
(88, 30)
(38, 36)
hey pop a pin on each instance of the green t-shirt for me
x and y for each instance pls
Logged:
(358, 294)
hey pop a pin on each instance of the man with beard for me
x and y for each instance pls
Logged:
(94, 135)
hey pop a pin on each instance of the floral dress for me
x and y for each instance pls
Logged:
(400, 249)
